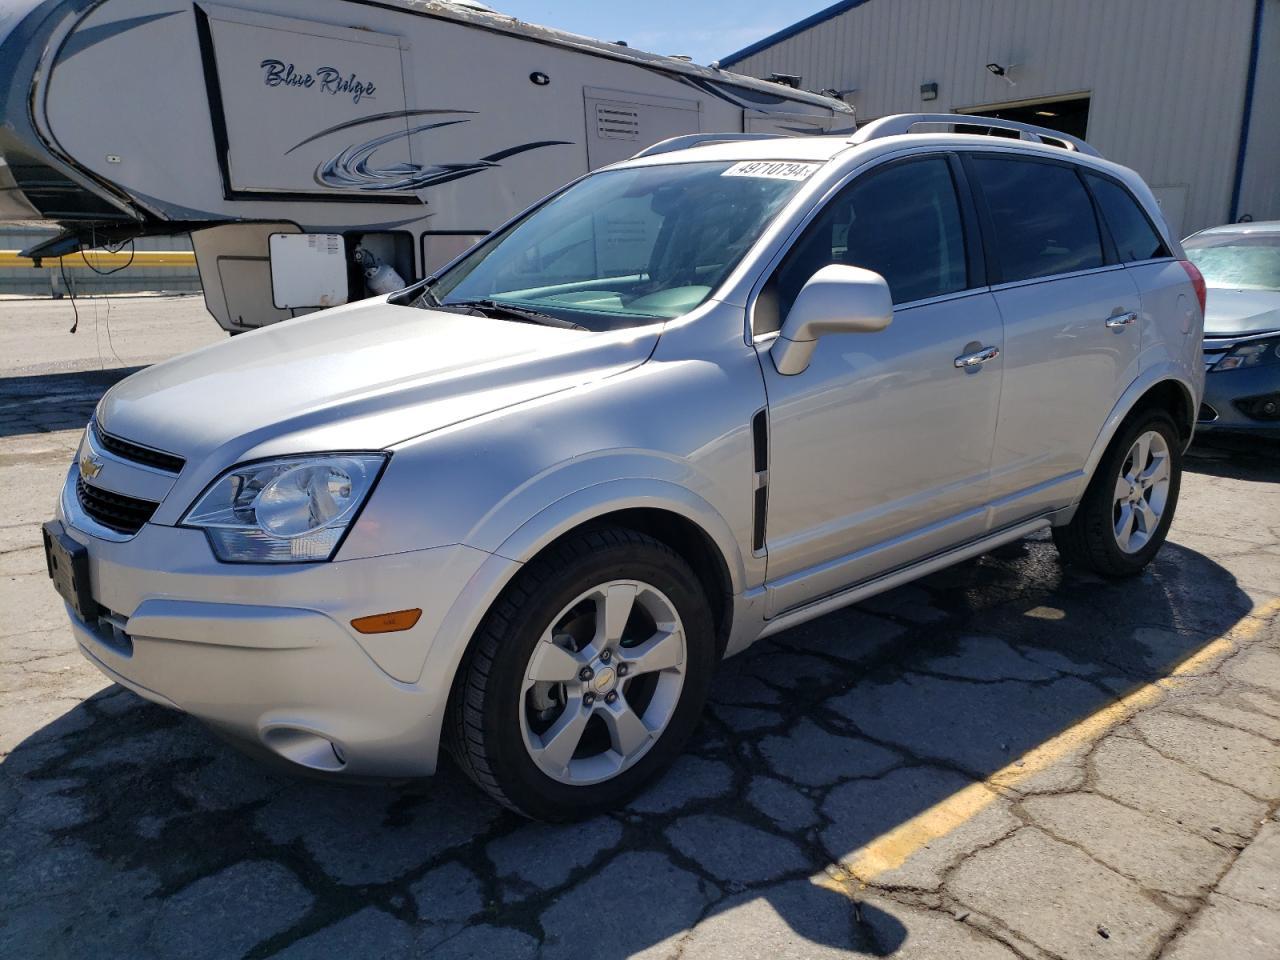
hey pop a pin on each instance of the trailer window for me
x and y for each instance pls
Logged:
(625, 247)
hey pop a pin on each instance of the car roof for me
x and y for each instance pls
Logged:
(811, 148)
(840, 153)
(823, 149)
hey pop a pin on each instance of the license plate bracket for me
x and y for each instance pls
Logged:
(68, 564)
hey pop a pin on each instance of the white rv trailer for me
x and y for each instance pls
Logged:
(382, 133)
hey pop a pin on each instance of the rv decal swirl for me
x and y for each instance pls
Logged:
(330, 80)
(354, 168)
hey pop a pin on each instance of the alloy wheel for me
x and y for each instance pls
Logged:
(1141, 491)
(603, 682)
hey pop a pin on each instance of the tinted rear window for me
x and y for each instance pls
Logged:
(1134, 236)
(1043, 218)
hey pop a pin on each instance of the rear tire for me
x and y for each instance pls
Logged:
(586, 678)
(1124, 516)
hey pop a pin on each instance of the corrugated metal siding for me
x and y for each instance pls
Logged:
(28, 281)
(1260, 188)
(1166, 77)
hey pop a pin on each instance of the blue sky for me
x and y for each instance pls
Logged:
(704, 29)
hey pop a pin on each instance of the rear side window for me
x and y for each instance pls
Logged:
(1042, 215)
(1134, 236)
(903, 222)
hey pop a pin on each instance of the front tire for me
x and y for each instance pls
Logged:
(586, 678)
(1124, 516)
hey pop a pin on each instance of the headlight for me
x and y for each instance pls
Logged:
(285, 511)
(1253, 353)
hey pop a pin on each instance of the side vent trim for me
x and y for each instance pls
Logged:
(760, 503)
(760, 440)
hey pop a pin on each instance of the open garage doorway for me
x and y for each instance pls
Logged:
(1069, 115)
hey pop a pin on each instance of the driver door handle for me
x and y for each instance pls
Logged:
(977, 358)
(1121, 320)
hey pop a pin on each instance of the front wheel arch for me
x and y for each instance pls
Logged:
(480, 734)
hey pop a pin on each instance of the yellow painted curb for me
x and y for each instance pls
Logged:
(103, 260)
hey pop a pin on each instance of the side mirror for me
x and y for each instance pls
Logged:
(837, 299)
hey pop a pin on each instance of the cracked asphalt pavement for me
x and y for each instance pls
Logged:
(1003, 760)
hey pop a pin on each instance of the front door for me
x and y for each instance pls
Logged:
(880, 451)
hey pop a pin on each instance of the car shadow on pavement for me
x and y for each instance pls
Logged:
(1235, 457)
(130, 830)
(54, 401)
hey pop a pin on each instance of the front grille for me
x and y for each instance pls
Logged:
(115, 511)
(128, 450)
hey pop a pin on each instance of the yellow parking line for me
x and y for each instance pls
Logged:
(890, 850)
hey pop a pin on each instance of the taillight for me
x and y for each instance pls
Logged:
(1197, 281)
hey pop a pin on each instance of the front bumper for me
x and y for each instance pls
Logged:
(267, 654)
(1225, 390)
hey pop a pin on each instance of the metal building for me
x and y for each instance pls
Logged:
(1187, 92)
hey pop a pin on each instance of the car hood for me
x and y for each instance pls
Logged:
(1237, 313)
(360, 377)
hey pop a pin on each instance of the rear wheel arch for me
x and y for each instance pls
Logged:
(1173, 397)
(1163, 390)
(1137, 479)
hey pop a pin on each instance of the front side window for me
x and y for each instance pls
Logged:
(1237, 261)
(903, 222)
(1043, 219)
(625, 247)
(1134, 236)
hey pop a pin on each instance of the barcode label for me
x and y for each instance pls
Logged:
(772, 169)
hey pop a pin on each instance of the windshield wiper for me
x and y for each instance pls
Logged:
(521, 314)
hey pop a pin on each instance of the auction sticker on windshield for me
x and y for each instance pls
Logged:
(772, 169)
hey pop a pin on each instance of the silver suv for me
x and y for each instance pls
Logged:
(689, 401)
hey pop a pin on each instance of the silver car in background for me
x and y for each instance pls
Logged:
(1241, 267)
(691, 400)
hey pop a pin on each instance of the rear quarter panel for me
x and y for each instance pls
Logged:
(1172, 321)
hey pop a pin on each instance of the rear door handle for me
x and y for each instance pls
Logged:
(977, 358)
(1121, 320)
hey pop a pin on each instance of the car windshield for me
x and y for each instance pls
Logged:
(622, 248)
(1237, 261)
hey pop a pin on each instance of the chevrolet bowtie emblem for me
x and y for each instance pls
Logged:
(90, 466)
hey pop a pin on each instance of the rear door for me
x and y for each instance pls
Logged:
(880, 450)
(1072, 336)
(1167, 296)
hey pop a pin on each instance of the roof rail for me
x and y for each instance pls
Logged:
(904, 122)
(701, 140)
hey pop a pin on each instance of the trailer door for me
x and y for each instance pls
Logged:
(620, 124)
(302, 107)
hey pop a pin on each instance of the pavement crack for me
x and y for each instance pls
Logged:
(1139, 737)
